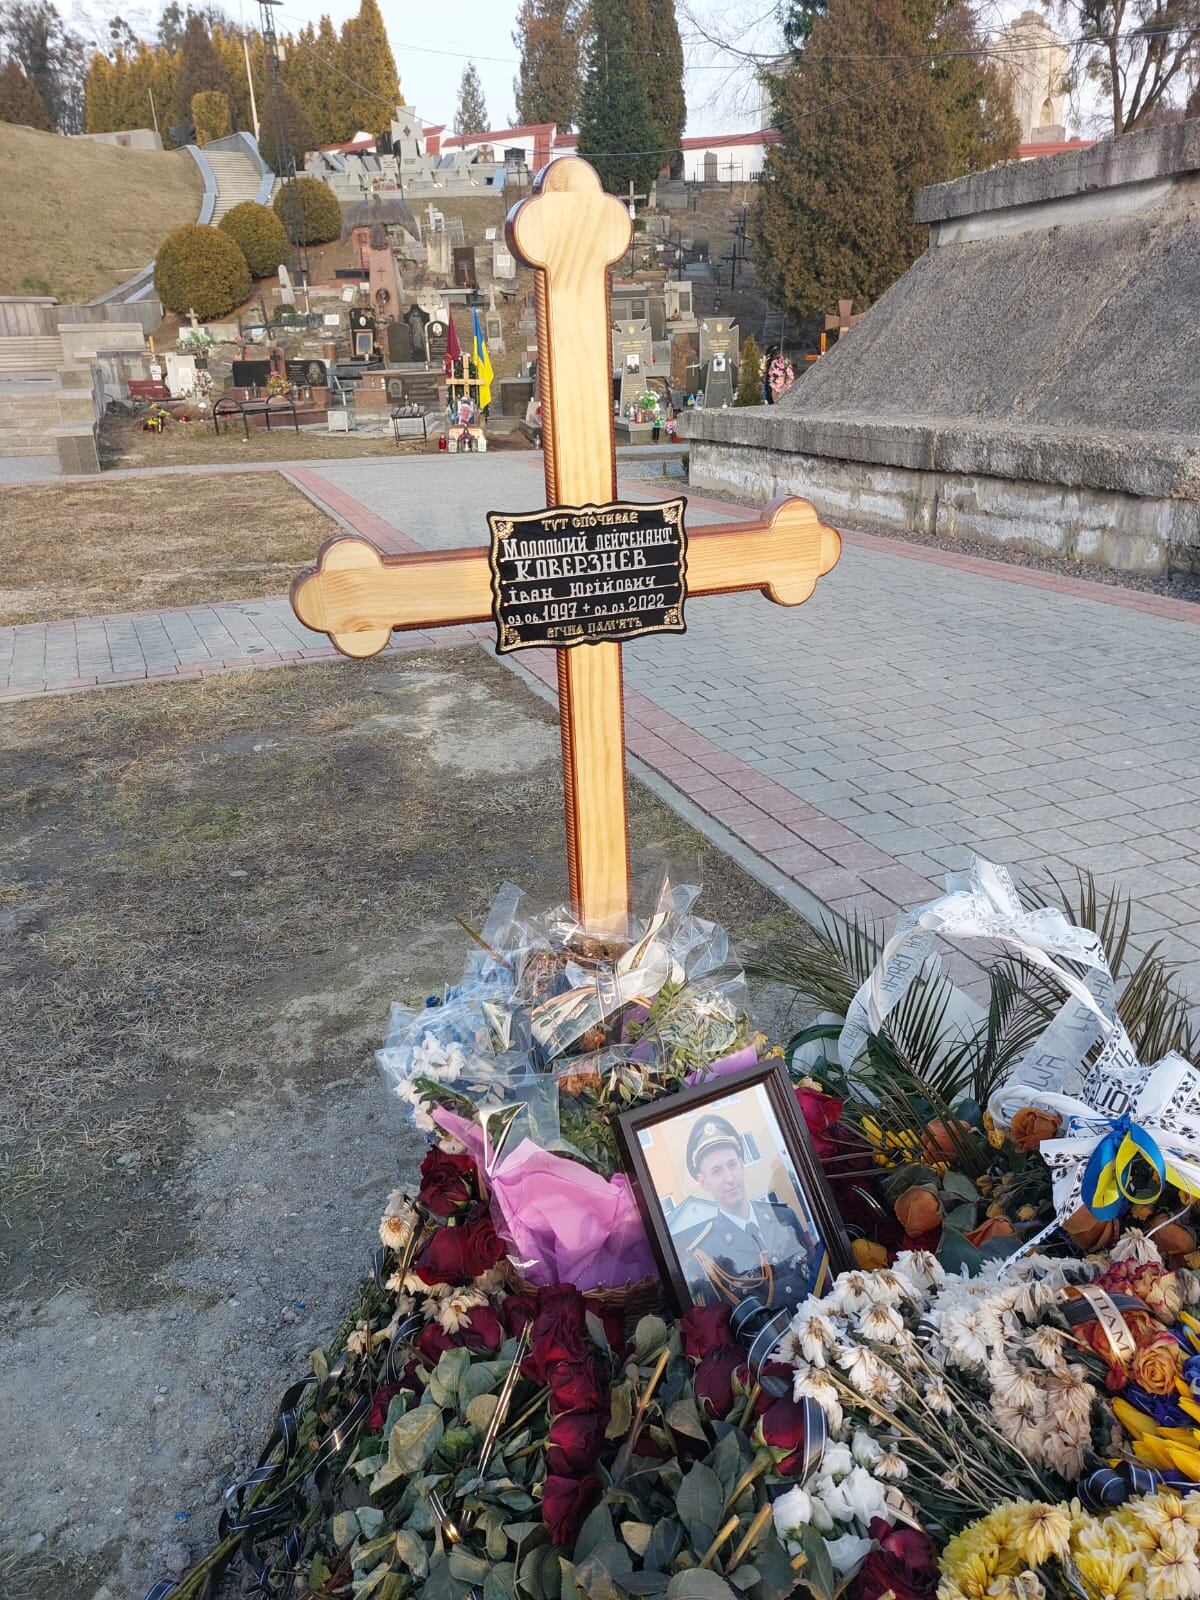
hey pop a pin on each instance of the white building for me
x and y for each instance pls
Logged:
(1033, 59)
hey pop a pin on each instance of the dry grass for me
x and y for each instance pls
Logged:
(78, 218)
(124, 443)
(80, 549)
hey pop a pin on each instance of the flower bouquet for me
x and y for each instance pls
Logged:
(1000, 1400)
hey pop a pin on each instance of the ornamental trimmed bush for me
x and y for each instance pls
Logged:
(319, 216)
(201, 269)
(259, 235)
(210, 113)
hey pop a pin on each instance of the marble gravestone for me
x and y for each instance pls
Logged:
(633, 361)
(718, 360)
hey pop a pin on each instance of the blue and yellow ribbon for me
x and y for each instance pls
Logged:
(1107, 1189)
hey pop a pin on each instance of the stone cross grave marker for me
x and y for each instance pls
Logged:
(588, 571)
(845, 318)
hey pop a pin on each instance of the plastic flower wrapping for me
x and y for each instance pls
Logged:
(999, 1401)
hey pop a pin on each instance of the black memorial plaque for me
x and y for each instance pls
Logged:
(588, 574)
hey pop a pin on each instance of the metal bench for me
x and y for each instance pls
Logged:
(409, 413)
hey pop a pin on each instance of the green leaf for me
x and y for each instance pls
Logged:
(458, 1446)
(614, 1558)
(818, 1568)
(597, 1529)
(596, 1333)
(665, 1544)
(961, 1217)
(500, 1582)
(778, 1580)
(320, 1364)
(647, 1583)
(371, 1582)
(700, 1502)
(958, 1183)
(447, 1375)
(410, 1549)
(648, 1339)
(343, 1529)
(637, 1536)
(745, 1577)
(998, 1249)
(481, 1377)
(731, 1457)
(481, 1410)
(413, 1440)
(621, 1419)
(902, 1178)
(683, 1416)
(955, 1252)
(466, 1567)
(590, 1578)
(698, 1584)
(495, 1541)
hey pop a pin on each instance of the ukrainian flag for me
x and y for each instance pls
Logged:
(483, 361)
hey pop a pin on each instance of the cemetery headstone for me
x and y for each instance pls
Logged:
(181, 374)
(250, 374)
(307, 372)
(718, 359)
(464, 266)
(569, 231)
(632, 355)
(399, 342)
(504, 265)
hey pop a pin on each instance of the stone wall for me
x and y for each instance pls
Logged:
(1032, 379)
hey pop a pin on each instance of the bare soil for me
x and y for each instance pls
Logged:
(78, 218)
(80, 549)
(209, 893)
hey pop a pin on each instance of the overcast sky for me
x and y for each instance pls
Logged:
(433, 43)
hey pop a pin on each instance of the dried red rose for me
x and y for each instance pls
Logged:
(781, 1428)
(714, 1380)
(703, 1329)
(559, 1331)
(516, 1310)
(447, 1182)
(904, 1566)
(460, 1254)
(574, 1442)
(577, 1386)
(565, 1504)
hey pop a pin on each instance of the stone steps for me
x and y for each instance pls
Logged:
(237, 180)
(30, 353)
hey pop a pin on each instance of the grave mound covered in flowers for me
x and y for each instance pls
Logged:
(997, 1397)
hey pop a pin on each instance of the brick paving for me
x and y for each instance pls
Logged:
(921, 705)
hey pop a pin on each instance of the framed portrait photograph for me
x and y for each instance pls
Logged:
(731, 1192)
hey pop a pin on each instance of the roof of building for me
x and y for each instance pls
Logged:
(498, 135)
(713, 141)
(360, 143)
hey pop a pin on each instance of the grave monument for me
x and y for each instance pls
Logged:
(589, 571)
(719, 345)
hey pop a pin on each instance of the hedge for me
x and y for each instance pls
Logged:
(210, 113)
(200, 269)
(259, 235)
(320, 215)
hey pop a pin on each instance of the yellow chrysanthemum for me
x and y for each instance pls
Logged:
(1130, 1520)
(1172, 1520)
(974, 1577)
(1107, 1537)
(1108, 1574)
(1042, 1531)
(1171, 1574)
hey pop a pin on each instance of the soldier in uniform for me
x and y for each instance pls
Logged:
(751, 1247)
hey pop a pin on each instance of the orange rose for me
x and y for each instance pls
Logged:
(1172, 1238)
(1089, 1233)
(993, 1228)
(918, 1210)
(1030, 1126)
(1156, 1367)
(944, 1141)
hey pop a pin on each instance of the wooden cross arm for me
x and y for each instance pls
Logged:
(358, 596)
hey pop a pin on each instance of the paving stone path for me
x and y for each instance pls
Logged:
(920, 706)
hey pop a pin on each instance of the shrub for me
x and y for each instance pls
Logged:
(319, 217)
(259, 235)
(210, 113)
(200, 269)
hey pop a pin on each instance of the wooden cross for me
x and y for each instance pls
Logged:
(570, 232)
(846, 318)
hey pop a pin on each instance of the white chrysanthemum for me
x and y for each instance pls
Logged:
(1047, 1345)
(813, 1333)
(887, 1287)
(965, 1337)
(456, 1308)
(358, 1340)
(850, 1293)
(938, 1398)
(891, 1466)
(1013, 1386)
(396, 1230)
(815, 1386)
(921, 1269)
(1134, 1245)
(881, 1323)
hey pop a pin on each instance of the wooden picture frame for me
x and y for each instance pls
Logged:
(686, 1142)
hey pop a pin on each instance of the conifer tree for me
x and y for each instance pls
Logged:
(200, 67)
(365, 57)
(98, 93)
(471, 115)
(331, 115)
(976, 101)
(549, 38)
(20, 101)
(615, 131)
(749, 389)
(664, 82)
(861, 131)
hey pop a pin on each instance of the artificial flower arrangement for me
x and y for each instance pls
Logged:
(1001, 1401)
